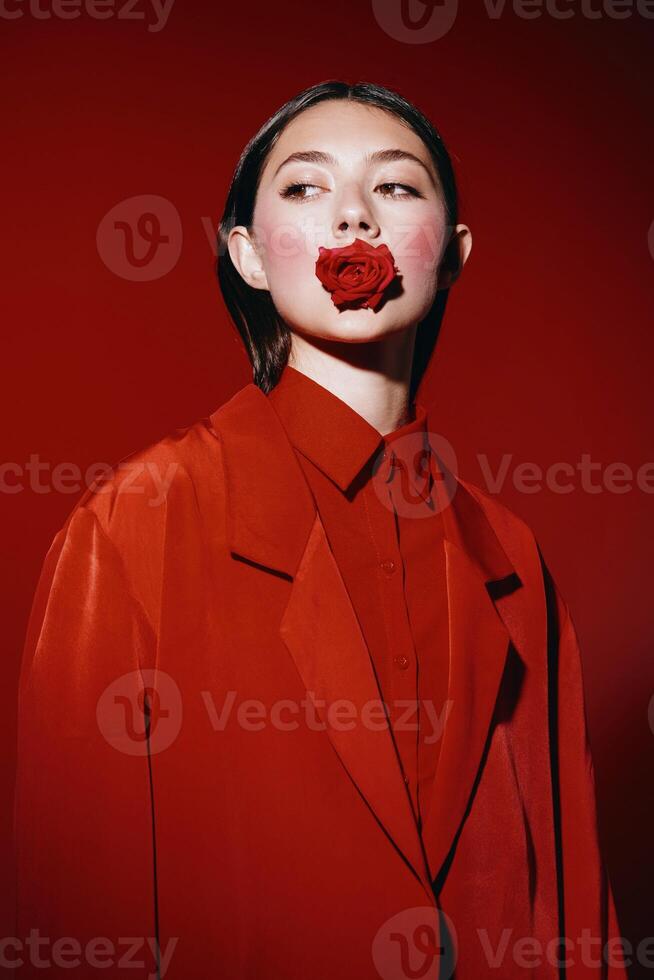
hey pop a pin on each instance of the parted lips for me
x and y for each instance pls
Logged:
(357, 275)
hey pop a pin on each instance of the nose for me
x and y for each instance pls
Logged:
(354, 217)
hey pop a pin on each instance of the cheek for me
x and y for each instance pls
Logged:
(417, 252)
(288, 245)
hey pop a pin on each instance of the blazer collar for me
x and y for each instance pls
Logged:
(270, 508)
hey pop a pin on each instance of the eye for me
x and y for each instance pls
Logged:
(412, 192)
(293, 190)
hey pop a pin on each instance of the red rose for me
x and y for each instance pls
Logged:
(357, 274)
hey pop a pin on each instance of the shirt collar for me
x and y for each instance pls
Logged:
(337, 439)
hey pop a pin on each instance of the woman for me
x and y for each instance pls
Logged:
(297, 701)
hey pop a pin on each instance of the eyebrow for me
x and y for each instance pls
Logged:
(379, 156)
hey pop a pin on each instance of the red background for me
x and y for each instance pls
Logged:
(546, 350)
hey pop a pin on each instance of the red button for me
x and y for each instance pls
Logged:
(402, 662)
(388, 566)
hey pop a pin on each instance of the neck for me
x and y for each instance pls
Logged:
(373, 378)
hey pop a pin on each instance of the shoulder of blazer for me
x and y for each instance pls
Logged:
(145, 484)
(136, 501)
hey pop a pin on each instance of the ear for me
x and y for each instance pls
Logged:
(455, 256)
(245, 257)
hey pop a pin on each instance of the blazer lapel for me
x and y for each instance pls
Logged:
(272, 521)
(483, 593)
(321, 630)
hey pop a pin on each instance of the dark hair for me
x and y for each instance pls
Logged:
(266, 336)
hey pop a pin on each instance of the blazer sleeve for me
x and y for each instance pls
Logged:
(586, 900)
(83, 822)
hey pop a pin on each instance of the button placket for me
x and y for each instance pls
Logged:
(401, 683)
(405, 687)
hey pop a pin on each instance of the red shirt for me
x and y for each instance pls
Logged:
(373, 494)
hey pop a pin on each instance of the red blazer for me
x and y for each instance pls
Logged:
(201, 767)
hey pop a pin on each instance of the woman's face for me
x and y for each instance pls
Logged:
(302, 204)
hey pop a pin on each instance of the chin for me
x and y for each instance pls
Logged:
(352, 326)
